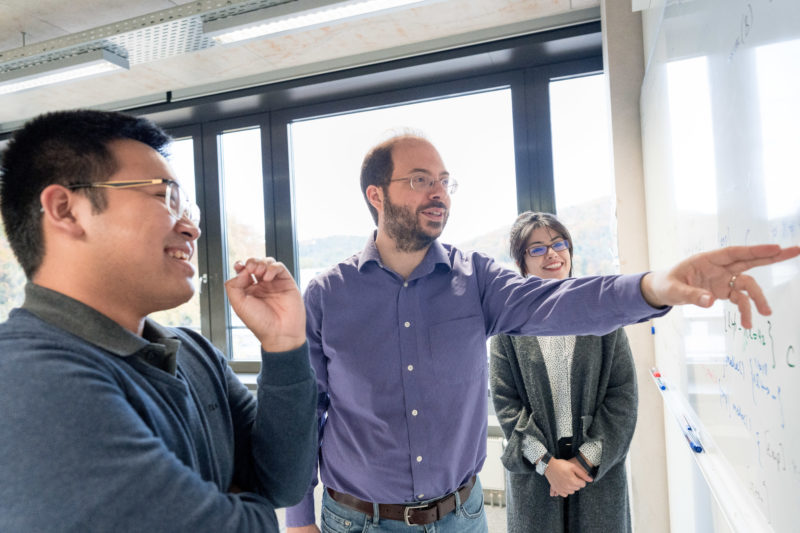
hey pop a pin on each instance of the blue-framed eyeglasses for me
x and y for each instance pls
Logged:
(175, 198)
(558, 246)
(423, 183)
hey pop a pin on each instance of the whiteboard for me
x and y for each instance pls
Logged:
(720, 108)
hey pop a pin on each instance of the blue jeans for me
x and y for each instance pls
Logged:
(468, 517)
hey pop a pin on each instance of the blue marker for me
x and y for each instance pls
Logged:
(691, 436)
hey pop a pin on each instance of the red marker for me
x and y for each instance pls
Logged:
(657, 378)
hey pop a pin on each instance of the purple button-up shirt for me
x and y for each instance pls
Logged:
(401, 364)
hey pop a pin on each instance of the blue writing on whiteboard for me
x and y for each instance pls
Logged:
(735, 364)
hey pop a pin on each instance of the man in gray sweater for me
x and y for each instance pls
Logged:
(109, 421)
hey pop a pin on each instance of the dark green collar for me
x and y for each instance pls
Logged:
(157, 346)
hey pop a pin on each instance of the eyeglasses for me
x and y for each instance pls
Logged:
(175, 198)
(423, 183)
(558, 246)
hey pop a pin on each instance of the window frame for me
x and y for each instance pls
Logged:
(526, 64)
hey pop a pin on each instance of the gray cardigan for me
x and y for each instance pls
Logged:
(604, 402)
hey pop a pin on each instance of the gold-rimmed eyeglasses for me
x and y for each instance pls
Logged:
(424, 183)
(175, 198)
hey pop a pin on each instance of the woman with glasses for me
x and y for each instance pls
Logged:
(567, 406)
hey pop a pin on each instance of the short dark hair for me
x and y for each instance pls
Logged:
(377, 167)
(521, 231)
(63, 147)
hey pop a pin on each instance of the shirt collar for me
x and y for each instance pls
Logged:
(437, 255)
(96, 328)
(370, 253)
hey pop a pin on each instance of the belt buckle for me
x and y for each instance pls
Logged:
(408, 509)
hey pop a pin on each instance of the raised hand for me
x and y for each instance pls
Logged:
(267, 299)
(704, 278)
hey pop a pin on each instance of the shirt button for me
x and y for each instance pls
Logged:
(420, 496)
(405, 284)
(407, 324)
(410, 368)
(419, 458)
(414, 412)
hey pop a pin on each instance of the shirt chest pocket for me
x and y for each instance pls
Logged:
(458, 350)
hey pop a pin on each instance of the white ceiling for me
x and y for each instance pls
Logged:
(160, 30)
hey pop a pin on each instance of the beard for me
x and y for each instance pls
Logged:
(403, 226)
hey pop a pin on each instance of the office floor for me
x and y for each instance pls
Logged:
(495, 515)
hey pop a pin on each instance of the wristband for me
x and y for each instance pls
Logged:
(541, 465)
(589, 470)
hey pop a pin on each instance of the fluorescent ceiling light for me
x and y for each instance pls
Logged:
(292, 16)
(66, 68)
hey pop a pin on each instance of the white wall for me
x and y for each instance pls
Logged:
(623, 59)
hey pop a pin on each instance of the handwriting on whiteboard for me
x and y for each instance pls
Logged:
(745, 26)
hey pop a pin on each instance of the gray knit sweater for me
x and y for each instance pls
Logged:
(97, 435)
(604, 401)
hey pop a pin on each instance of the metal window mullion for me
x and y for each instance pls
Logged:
(282, 194)
(215, 241)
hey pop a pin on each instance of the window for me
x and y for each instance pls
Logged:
(584, 184)
(277, 166)
(181, 159)
(12, 279)
(243, 214)
(474, 135)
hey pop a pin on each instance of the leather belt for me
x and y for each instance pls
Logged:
(411, 514)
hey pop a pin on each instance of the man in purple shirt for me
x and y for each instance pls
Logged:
(397, 338)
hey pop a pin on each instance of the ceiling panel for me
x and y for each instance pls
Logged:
(42, 20)
(437, 24)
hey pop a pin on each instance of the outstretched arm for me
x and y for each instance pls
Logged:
(704, 278)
